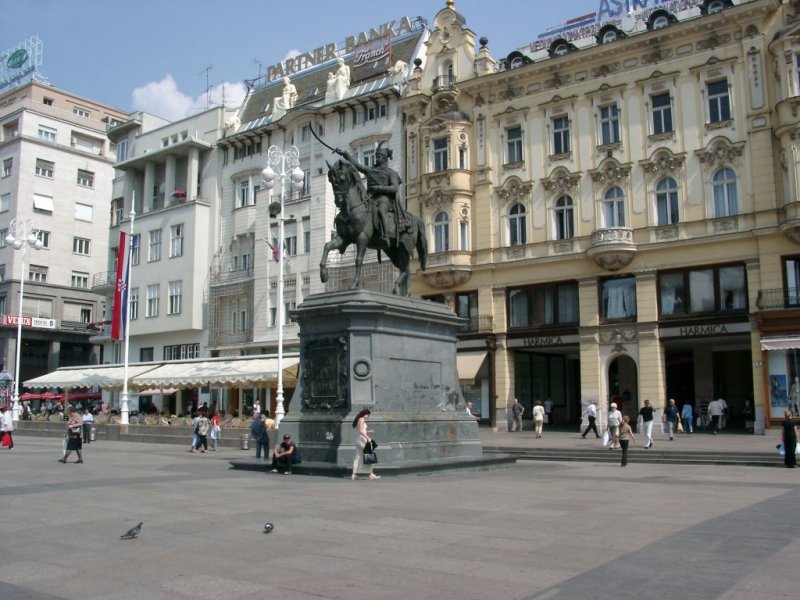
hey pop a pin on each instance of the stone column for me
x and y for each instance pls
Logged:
(149, 184)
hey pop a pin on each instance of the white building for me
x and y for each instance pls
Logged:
(56, 168)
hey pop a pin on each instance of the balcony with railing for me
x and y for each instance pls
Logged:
(231, 276)
(778, 299)
(612, 248)
(478, 324)
(103, 283)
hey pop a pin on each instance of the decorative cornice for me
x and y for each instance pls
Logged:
(663, 162)
(561, 181)
(514, 189)
(720, 152)
(611, 172)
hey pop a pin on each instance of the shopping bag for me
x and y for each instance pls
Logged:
(680, 427)
(606, 438)
(4, 441)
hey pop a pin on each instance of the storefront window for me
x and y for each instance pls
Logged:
(706, 290)
(544, 305)
(618, 298)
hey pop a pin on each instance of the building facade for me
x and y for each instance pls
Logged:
(613, 208)
(57, 170)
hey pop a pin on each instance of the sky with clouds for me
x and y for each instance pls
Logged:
(172, 58)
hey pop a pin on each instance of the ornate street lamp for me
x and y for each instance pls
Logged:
(21, 234)
(281, 165)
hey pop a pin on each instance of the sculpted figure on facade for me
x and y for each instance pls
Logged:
(338, 81)
(286, 100)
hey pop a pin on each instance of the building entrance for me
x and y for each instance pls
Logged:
(623, 386)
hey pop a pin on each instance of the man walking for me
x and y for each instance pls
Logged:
(687, 416)
(671, 417)
(614, 421)
(591, 415)
(258, 430)
(516, 412)
(646, 412)
(715, 410)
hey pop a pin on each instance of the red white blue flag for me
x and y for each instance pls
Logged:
(119, 318)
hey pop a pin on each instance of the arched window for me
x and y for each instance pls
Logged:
(667, 201)
(725, 200)
(441, 232)
(614, 208)
(564, 218)
(516, 225)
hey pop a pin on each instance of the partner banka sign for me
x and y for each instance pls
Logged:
(328, 52)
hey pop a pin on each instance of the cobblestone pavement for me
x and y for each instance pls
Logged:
(536, 530)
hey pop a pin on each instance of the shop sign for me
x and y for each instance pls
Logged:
(711, 330)
(328, 52)
(13, 321)
(543, 341)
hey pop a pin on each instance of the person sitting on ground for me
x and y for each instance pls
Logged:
(282, 456)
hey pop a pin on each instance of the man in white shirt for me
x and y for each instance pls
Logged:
(614, 420)
(715, 410)
(591, 415)
(469, 411)
(88, 421)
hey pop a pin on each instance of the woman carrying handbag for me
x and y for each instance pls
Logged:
(362, 441)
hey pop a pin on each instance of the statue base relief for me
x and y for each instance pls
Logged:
(395, 356)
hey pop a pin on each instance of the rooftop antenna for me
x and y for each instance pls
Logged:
(207, 70)
(260, 66)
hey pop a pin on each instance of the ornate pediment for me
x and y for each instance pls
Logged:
(611, 172)
(561, 182)
(663, 163)
(720, 152)
(514, 190)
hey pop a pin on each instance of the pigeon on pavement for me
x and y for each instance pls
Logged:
(268, 528)
(132, 533)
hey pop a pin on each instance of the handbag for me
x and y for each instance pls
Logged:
(370, 458)
(606, 438)
(680, 427)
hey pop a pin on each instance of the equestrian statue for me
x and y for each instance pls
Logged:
(373, 217)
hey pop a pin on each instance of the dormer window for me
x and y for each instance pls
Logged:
(711, 7)
(561, 49)
(610, 36)
(516, 62)
(660, 22)
(660, 19)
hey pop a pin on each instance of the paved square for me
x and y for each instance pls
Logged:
(537, 530)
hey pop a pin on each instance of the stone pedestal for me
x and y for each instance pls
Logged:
(395, 356)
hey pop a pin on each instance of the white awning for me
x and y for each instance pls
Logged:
(781, 343)
(108, 377)
(157, 392)
(242, 371)
(468, 364)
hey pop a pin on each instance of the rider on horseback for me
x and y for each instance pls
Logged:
(383, 186)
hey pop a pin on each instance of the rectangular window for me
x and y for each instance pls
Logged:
(514, 145)
(80, 246)
(463, 236)
(136, 240)
(44, 237)
(133, 303)
(48, 101)
(791, 276)
(83, 212)
(153, 294)
(609, 124)
(544, 305)
(81, 112)
(44, 168)
(287, 308)
(440, 161)
(80, 280)
(368, 156)
(146, 354)
(662, 113)
(719, 102)
(5, 202)
(290, 245)
(154, 245)
(244, 192)
(305, 133)
(37, 273)
(3, 235)
(175, 297)
(48, 134)
(122, 150)
(8, 167)
(306, 182)
(176, 240)
(561, 135)
(306, 235)
(618, 298)
(707, 290)
(85, 178)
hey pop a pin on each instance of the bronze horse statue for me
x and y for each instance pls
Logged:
(355, 224)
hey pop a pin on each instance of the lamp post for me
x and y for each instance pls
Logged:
(21, 234)
(282, 165)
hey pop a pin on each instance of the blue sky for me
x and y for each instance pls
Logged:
(152, 55)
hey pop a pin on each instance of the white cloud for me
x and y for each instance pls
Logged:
(162, 98)
(165, 100)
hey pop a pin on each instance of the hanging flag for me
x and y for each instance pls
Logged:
(276, 253)
(119, 314)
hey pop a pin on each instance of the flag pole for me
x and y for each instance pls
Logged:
(123, 409)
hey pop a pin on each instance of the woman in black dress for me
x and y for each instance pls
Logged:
(74, 427)
(789, 439)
